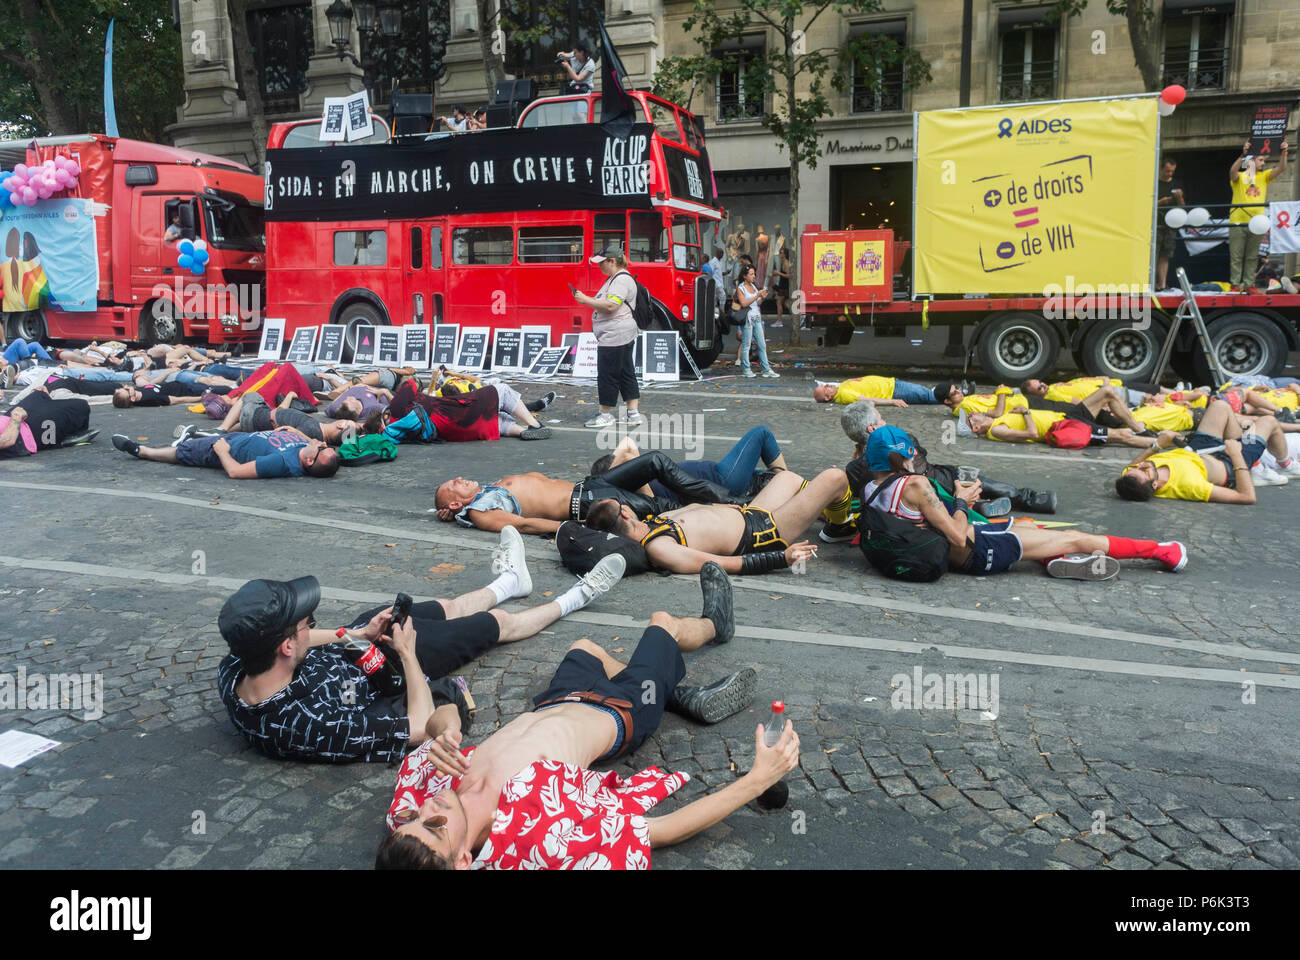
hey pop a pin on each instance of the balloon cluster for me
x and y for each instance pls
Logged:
(27, 184)
(1178, 217)
(193, 256)
(1170, 97)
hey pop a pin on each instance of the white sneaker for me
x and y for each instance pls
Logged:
(508, 557)
(749, 372)
(633, 418)
(601, 578)
(1290, 470)
(771, 374)
(1083, 566)
(601, 420)
(1262, 476)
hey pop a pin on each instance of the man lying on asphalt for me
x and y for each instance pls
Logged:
(36, 422)
(1218, 464)
(1035, 426)
(525, 799)
(483, 414)
(750, 539)
(859, 420)
(886, 391)
(294, 694)
(737, 472)
(984, 548)
(251, 413)
(244, 456)
(1103, 404)
(536, 503)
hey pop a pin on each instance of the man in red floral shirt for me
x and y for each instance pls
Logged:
(524, 798)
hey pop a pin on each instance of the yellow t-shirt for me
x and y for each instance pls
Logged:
(1016, 421)
(985, 402)
(1247, 190)
(1072, 391)
(1187, 477)
(1164, 416)
(865, 388)
(1286, 399)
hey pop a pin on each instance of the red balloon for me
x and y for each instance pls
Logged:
(1173, 94)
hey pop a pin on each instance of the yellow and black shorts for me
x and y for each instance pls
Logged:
(760, 532)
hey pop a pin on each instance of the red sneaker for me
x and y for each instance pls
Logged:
(1173, 555)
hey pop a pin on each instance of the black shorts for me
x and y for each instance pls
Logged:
(996, 549)
(443, 645)
(760, 532)
(1251, 451)
(1164, 240)
(648, 680)
(1102, 418)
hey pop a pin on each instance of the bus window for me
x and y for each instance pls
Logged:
(360, 248)
(665, 121)
(694, 131)
(435, 248)
(307, 135)
(558, 113)
(417, 248)
(482, 245)
(610, 228)
(550, 244)
(686, 243)
(647, 238)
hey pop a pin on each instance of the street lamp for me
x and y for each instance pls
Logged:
(390, 19)
(366, 13)
(339, 15)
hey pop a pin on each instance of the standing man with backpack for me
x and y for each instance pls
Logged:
(616, 328)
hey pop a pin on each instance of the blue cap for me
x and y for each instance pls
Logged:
(884, 441)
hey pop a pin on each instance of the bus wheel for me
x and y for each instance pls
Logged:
(703, 358)
(158, 323)
(1121, 349)
(1018, 346)
(353, 317)
(1244, 343)
(29, 326)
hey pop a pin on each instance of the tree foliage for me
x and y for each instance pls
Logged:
(52, 75)
(1140, 16)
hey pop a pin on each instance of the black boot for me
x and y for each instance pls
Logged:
(1032, 501)
(717, 701)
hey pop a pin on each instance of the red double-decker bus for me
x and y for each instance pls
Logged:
(490, 228)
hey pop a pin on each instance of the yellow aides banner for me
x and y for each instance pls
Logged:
(1014, 199)
(828, 264)
(868, 263)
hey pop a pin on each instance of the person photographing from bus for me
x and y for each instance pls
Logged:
(458, 122)
(577, 63)
(616, 332)
(750, 297)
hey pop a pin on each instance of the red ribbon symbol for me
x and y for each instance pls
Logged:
(1284, 220)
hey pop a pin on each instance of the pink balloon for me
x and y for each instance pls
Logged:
(45, 192)
(29, 196)
(8, 184)
(20, 169)
(60, 161)
(66, 179)
(74, 168)
(15, 199)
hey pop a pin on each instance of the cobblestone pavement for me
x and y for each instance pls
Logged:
(1146, 723)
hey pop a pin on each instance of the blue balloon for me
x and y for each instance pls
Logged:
(186, 246)
(200, 256)
(185, 261)
(198, 269)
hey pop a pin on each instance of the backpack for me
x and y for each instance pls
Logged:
(643, 310)
(415, 427)
(1069, 434)
(581, 548)
(898, 548)
(370, 448)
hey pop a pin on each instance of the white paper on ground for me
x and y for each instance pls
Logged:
(17, 747)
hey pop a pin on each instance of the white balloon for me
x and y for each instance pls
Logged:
(200, 245)
(1259, 224)
(1198, 217)
(1165, 109)
(1175, 218)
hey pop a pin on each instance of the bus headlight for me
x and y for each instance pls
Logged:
(686, 312)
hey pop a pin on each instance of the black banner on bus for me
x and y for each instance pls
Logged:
(578, 167)
(689, 177)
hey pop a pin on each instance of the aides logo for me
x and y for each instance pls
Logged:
(1008, 128)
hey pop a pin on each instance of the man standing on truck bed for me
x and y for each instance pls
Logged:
(1249, 182)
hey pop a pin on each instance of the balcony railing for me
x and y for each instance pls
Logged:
(734, 107)
(884, 96)
(1202, 70)
(1040, 84)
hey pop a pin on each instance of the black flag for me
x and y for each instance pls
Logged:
(617, 109)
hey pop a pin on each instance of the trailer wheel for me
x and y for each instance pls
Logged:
(1018, 346)
(353, 317)
(29, 326)
(158, 323)
(1244, 343)
(1118, 348)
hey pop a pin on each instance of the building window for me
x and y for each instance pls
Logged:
(280, 35)
(1197, 38)
(482, 245)
(550, 244)
(360, 248)
(1028, 55)
(739, 95)
(879, 90)
(547, 27)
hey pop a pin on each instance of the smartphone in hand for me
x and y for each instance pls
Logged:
(401, 609)
(573, 290)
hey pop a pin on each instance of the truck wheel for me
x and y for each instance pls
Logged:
(1018, 346)
(29, 326)
(354, 316)
(1117, 348)
(158, 323)
(1244, 343)
(703, 358)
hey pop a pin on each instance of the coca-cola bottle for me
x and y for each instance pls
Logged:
(775, 796)
(381, 670)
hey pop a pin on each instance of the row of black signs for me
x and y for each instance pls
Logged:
(526, 350)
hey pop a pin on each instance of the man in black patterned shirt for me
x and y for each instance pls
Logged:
(293, 694)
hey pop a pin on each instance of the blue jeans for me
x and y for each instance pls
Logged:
(736, 469)
(225, 370)
(754, 330)
(97, 376)
(21, 350)
(185, 376)
(913, 392)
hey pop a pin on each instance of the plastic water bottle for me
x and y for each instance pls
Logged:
(775, 724)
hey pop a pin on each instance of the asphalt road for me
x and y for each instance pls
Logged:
(1144, 723)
